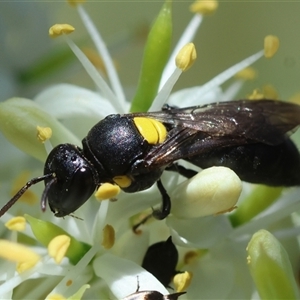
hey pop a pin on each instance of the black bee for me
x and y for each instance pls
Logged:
(133, 150)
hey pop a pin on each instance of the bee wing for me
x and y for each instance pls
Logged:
(184, 142)
(264, 121)
(197, 130)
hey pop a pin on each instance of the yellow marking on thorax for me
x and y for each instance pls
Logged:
(153, 131)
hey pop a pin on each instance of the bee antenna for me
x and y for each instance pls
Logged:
(15, 198)
(45, 192)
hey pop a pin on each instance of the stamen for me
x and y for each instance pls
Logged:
(107, 191)
(204, 7)
(58, 247)
(271, 45)
(19, 254)
(186, 37)
(230, 72)
(16, 224)
(94, 74)
(184, 60)
(59, 29)
(102, 49)
(246, 74)
(186, 57)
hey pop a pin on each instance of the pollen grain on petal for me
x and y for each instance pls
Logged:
(204, 7)
(43, 133)
(186, 57)
(58, 247)
(59, 29)
(271, 45)
(182, 281)
(16, 224)
(108, 236)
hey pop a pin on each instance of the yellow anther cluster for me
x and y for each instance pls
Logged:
(59, 29)
(186, 57)
(182, 281)
(22, 255)
(58, 247)
(16, 224)
(107, 191)
(204, 7)
(246, 74)
(271, 45)
(43, 133)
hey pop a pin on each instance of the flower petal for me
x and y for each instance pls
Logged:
(122, 276)
(19, 118)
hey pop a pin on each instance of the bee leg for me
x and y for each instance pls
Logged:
(164, 211)
(158, 214)
(188, 173)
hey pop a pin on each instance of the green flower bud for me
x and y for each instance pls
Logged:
(155, 57)
(19, 119)
(270, 267)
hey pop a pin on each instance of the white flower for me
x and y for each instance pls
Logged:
(218, 272)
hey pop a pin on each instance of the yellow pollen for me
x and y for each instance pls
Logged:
(186, 57)
(28, 197)
(295, 98)
(59, 29)
(75, 2)
(182, 281)
(16, 224)
(123, 181)
(24, 256)
(58, 247)
(246, 74)
(43, 133)
(107, 191)
(270, 92)
(55, 297)
(256, 95)
(108, 237)
(69, 282)
(190, 257)
(204, 7)
(271, 45)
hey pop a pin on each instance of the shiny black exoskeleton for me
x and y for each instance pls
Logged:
(133, 150)
(160, 260)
